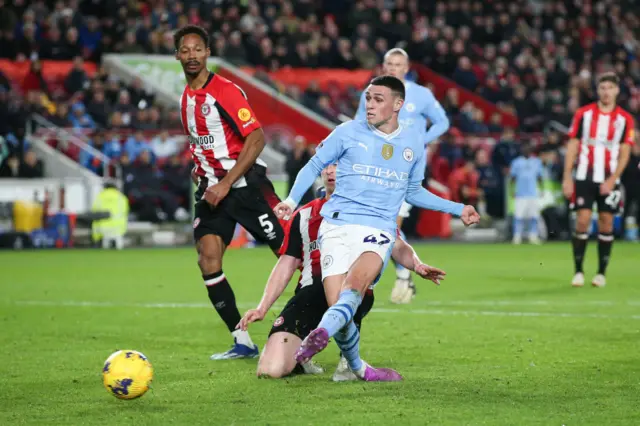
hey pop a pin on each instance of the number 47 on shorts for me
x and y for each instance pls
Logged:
(372, 239)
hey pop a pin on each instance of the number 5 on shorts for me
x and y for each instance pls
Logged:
(267, 225)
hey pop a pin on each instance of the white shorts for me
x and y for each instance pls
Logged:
(405, 210)
(341, 245)
(526, 207)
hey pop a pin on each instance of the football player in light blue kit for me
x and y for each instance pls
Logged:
(419, 105)
(526, 173)
(380, 164)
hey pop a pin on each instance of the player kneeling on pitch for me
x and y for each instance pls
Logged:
(303, 312)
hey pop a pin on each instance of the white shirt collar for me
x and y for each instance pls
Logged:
(383, 135)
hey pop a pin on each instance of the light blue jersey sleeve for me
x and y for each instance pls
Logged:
(515, 165)
(328, 151)
(436, 114)
(361, 113)
(418, 196)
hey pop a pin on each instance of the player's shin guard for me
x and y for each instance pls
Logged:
(605, 242)
(579, 247)
(341, 313)
(348, 340)
(222, 298)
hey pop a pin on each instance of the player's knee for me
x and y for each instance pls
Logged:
(605, 224)
(209, 259)
(274, 369)
(583, 221)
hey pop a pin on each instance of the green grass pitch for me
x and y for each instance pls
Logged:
(504, 341)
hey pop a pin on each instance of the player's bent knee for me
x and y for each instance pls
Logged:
(210, 250)
(274, 369)
(364, 271)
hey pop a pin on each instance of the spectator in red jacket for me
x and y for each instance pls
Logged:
(463, 184)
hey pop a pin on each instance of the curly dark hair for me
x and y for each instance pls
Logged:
(190, 29)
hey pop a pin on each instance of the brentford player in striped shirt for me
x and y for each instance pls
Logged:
(601, 136)
(225, 139)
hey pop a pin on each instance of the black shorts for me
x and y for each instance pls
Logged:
(305, 309)
(250, 206)
(587, 192)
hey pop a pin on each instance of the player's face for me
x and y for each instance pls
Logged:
(396, 65)
(608, 92)
(192, 54)
(329, 178)
(381, 104)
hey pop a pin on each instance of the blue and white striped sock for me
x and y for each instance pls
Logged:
(341, 313)
(348, 340)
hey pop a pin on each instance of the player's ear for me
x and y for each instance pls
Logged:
(398, 105)
(208, 51)
(176, 54)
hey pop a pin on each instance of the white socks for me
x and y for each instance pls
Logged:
(243, 338)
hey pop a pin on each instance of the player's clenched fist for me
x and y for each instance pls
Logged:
(252, 315)
(216, 193)
(283, 210)
(470, 216)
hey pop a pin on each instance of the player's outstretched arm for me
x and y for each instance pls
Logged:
(328, 152)
(276, 284)
(406, 256)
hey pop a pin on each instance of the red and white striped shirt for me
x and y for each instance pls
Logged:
(601, 135)
(217, 118)
(301, 241)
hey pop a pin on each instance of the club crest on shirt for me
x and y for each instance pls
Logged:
(244, 114)
(407, 154)
(205, 109)
(196, 222)
(387, 151)
(411, 107)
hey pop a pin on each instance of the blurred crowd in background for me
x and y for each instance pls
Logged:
(532, 58)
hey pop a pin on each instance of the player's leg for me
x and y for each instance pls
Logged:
(585, 193)
(533, 212)
(213, 231)
(255, 209)
(300, 315)
(278, 356)
(404, 289)
(518, 219)
(608, 206)
(343, 372)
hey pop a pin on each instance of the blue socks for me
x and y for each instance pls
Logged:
(517, 226)
(348, 340)
(341, 313)
(533, 226)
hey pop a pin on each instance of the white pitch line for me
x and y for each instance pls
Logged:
(71, 303)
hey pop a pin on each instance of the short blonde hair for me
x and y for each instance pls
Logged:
(396, 51)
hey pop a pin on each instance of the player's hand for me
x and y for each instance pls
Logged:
(470, 216)
(194, 177)
(216, 193)
(252, 315)
(567, 188)
(607, 186)
(430, 273)
(283, 210)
